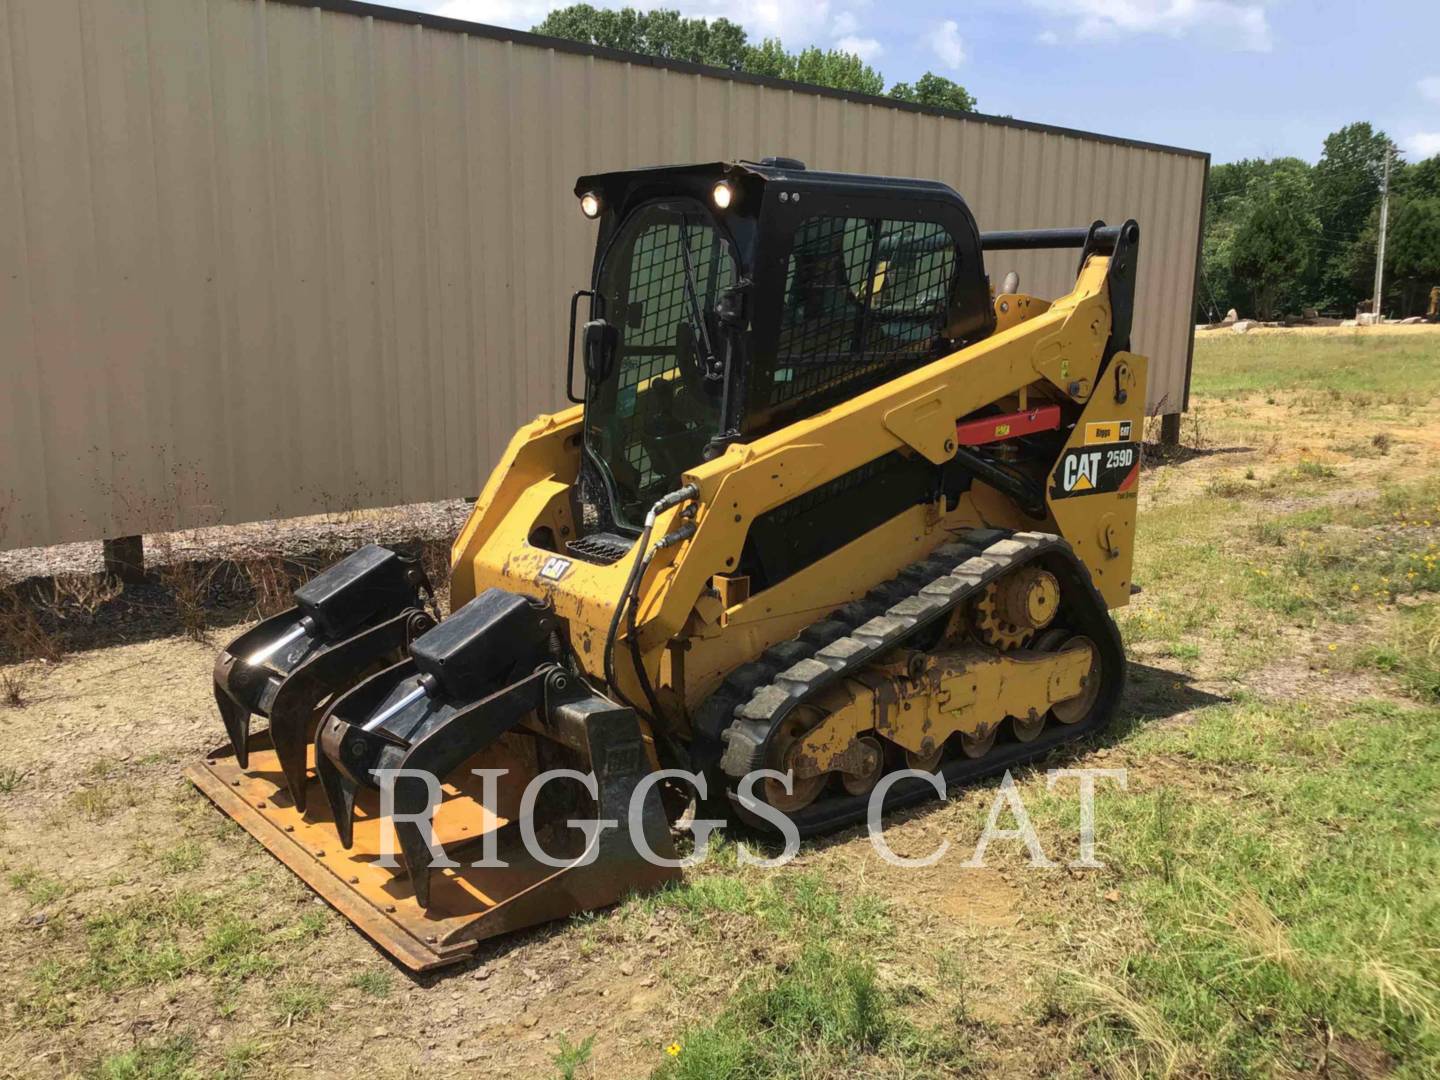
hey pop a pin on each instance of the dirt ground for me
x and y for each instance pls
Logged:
(127, 720)
(135, 916)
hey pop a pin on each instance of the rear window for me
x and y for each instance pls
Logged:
(864, 297)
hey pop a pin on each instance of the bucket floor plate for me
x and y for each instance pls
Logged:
(377, 899)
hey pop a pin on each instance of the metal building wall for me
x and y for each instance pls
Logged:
(262, 259)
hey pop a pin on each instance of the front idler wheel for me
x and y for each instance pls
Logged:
(785, 749)
(1078, 707)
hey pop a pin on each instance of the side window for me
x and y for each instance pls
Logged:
(863, 297)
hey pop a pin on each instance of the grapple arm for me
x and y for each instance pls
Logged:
(354, 618)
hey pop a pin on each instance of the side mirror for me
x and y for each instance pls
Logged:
(570, 346)
(600, 342)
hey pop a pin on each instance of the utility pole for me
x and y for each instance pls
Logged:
(1384, 221)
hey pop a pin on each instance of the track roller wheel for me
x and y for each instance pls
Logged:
(1027, 729)
(1078, 707)
(783, 750)
(925, 762)
(977, 746)
(861, 784)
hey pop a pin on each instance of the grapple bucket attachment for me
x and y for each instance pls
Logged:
(487, 689)
(353, 619)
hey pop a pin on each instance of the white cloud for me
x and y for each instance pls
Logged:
(1048, 37)
(845, 24)
(867, 48)
(1241, 24)
(947, 44)
(1422, 145)
(1430, 88)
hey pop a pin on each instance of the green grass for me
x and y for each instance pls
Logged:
(104, 800)
(1230, 572)
(297, 1002)
(818, 1008)
(1359, 369)
(570, 1056)
(1301, 903)
(183, 857)
(242, 1059)
(1412, 653)
(171, 1059)
(156, 939)
(1189, 577)
(789, 905)
(37, 888)
(373, 983)
(826, 1013)
(1328, 560)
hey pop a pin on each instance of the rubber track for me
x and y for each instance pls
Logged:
(758, 696)
(717, 712)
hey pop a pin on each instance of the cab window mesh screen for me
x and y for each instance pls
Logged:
(659, 313)
(863, 297)
(650, 420)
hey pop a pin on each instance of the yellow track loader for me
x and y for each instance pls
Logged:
(824, 507)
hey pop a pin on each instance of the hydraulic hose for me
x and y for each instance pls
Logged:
(637, 569)
(668, 540)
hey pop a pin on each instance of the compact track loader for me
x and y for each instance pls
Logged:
(824, 504)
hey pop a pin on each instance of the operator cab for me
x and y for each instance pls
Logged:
(731, 299)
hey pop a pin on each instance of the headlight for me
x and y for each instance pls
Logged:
(590, 204)
(722, 195)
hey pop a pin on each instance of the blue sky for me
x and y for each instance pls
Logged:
(1239, 78)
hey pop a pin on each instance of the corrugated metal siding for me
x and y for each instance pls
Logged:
(263, 259)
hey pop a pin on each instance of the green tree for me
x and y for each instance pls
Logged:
(1412, 254)
(721, 43)
(842, 70)
(1410, 249)
(1284, 235)
(666, 34)
(1217, 292)
(935, 91)
(1347, 188)
(1419, 181)
(1230, 201)
(1277, 234)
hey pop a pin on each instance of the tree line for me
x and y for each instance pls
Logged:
(1283, 235)
(724, 44)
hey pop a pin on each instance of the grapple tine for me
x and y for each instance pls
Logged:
(346, 752)
(442, 748)
(340, 794)
(244, 685)
(297, 701)
(235, 716)
(348, 621)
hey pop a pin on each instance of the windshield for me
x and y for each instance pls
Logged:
(649, 419)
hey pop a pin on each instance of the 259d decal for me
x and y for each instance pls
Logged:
(1096, 470)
